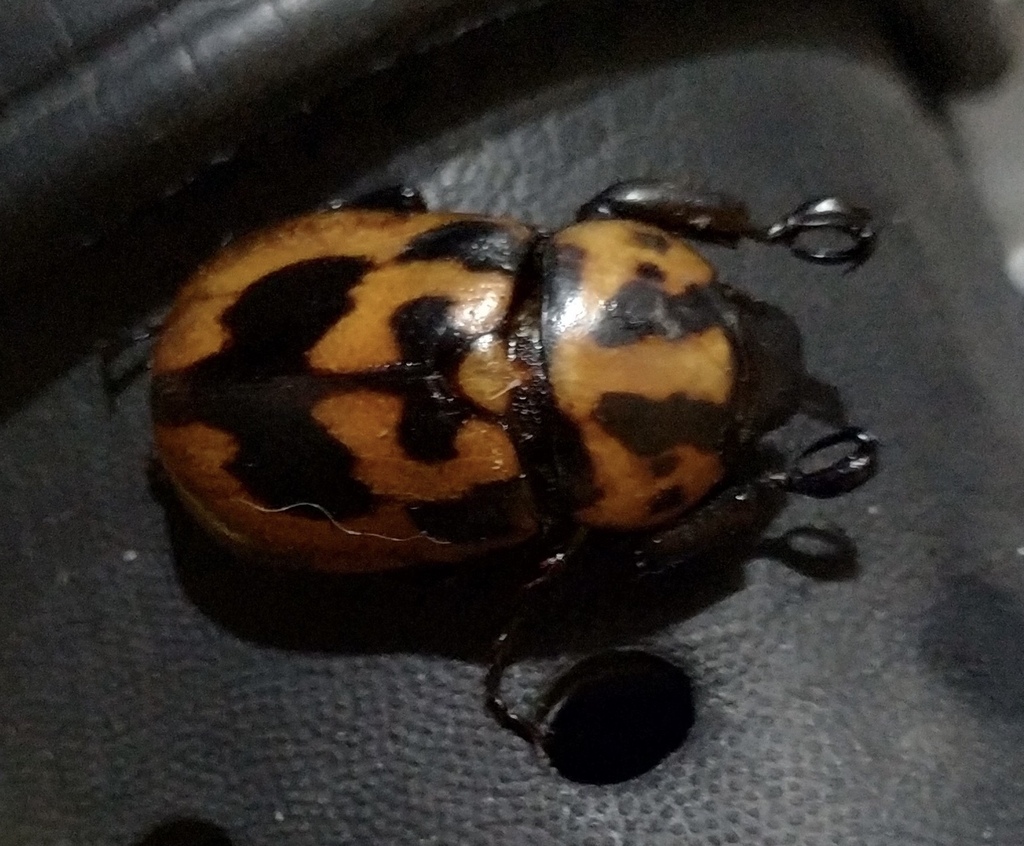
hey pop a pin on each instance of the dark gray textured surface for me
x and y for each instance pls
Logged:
(113, 104)
(109, 104)
(877, 709)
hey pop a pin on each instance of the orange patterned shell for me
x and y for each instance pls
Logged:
(364, 389)
(640, 361)
(335, 391)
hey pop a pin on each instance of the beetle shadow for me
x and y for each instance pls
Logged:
(458, 610)
(554, 57)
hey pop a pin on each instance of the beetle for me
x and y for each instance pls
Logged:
(379, 385)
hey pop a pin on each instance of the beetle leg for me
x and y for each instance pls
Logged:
(674, 208)
(737, 515)
(743, 511)
(109, 351)
(722, 219)
(825, 214)
(399, 198)
(853, 468)
(501, 648)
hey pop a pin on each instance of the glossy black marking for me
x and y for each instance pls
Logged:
(771, 357)
(256, 390)
(486, 512)
(285, 459)
(433, 348)
(663, 465)
(642, 308)
(672, 207)
(650, 427)
(572, 462)
(563, 266)
(278, 318)
(397, 198)
(480, 245)
(667, 500)
(651, 240)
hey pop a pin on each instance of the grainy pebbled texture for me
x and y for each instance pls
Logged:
(146, 678)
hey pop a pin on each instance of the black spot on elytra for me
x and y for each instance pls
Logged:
(651, 240)
(662, 465)
(572, 462)
(432, 349)
(667, 500)
(278, 318)
(485, 512)
(287, 460)
(642, 308)
(563, 280)
(481, 245)
(650, 427)
(257, 389)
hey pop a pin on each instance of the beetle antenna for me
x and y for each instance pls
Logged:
(826, 213)
(501, 648)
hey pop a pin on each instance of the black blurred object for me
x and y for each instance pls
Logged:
(616, 715)
(145, 678)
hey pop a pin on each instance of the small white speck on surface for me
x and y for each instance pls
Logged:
(129, 555)
(873, 510)
(63, 577)
(279, 816)
(1020, 550)
(986, 834)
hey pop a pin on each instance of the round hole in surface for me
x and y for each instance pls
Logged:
(186, 831)
(616, 715)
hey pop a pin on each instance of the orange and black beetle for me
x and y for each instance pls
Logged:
(379, 385)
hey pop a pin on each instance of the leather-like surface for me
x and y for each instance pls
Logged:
(146, 678)
(110, 104)
(43, 38)
(130, 105)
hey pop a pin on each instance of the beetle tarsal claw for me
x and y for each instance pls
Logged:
(852, 469)
(827, 213)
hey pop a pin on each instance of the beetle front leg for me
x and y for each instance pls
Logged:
(739, 514)
(674, 208)
(109, 352)
(735, 517)
(719, 218)
(501, 649)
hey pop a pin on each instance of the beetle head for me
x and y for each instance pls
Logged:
(773, 368)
